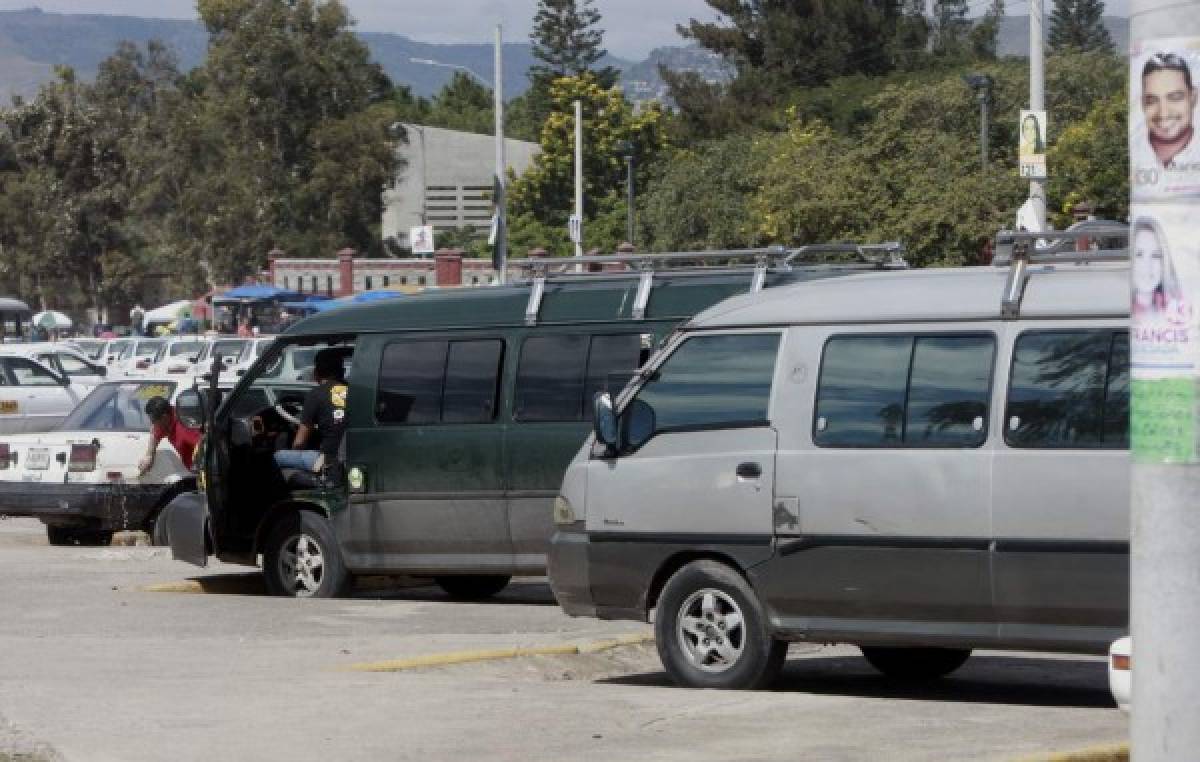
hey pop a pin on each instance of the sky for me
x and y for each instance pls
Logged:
(632, 27)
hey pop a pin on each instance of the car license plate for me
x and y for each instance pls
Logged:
(8, 407)
(38, 460)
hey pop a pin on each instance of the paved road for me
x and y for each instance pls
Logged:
(94, 668)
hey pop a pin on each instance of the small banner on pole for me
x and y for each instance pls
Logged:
(421, 238)
(1032, 145)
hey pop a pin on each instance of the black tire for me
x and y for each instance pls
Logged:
(159, 534)
(282, 552)
(757, 657)
(84, 537)
(915, 664)
(472, 587)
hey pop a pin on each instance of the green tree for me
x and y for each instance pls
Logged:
(952, 28)
(545, 193)
(983, 36)
(1090, 159)
(567, 42)
(1079, 25)
(463, 104)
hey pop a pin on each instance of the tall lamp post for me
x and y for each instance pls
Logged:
(982, 84)
(628, 149)
(500, 222)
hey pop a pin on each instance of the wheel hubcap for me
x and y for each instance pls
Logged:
(302, 565)
(711, 630)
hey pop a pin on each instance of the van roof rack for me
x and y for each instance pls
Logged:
(811, 257)
(1082, 244)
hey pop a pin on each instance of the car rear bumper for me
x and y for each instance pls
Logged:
(96, 506)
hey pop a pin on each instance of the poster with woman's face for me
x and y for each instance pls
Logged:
(1165, 261)
(1031, 149)
(1164, 146)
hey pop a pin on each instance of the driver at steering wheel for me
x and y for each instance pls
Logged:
(325, 411)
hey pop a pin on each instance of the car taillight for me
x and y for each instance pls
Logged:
(83, 458)
(5, 456)
(1121, 662)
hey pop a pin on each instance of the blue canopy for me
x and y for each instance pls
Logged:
(258, 293)
(359, 298)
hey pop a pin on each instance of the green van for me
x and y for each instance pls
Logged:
(464, 408)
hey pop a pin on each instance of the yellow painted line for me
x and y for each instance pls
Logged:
(1108, 753)
(466, 657)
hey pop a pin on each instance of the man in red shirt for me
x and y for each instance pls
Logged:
(166, 425)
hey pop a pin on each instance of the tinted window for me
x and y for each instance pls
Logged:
(860, 398)
(612, 361)
(250, 402)
(904, 391)
(28, 373)
(1057, 395)
(410, 382)
(472, 378)
(1116, 396)
(550, 378)
(713, 381)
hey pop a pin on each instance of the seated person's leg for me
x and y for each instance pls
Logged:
(302, 459)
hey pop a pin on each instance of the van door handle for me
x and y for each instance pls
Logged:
(749, 471)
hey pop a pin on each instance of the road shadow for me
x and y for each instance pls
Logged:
(1021, 680)
(523, 592)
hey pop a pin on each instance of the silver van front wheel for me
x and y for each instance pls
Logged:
(711, 632)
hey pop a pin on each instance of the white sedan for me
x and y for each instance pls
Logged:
(32, 396)
(82, 480)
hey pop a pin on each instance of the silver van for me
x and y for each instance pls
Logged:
(917, 462)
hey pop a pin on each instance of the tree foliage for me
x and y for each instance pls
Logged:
(1079, 25)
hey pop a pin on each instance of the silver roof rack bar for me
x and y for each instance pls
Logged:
(1019, 250)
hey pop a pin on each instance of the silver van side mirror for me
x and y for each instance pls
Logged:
(604, 421)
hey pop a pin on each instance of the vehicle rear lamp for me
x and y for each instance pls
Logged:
(83, 458)
(1121, 662)
(5, 456)
(115, 476)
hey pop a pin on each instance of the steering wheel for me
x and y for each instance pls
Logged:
(289, 410)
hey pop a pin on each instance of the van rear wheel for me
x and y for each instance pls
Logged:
(301, 558)
(915, 664)
(472, 587)
(711, 632)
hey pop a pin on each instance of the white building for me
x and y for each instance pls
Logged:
(447, 180)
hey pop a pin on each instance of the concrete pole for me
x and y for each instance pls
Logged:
(579, 181)
(1165, 542)
(985, 102)
(931, 17)
(1037, 91)
(502, 202)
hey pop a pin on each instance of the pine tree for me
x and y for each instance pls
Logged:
(1079, 25)
(567, 42)
(952, 27)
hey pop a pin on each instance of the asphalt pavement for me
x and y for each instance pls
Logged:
(95, 666)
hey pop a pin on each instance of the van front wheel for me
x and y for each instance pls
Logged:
(302, 559)
(711, 633)
(915, 663)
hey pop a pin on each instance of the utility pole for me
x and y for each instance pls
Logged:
(1165, 526)
(1037, 94)
(500, 256)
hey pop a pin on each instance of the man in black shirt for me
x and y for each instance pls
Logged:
(325, 411)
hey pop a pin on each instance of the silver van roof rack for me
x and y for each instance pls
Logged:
(1083, 244)
(811, 257)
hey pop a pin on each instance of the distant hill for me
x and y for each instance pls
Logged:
(33, 41)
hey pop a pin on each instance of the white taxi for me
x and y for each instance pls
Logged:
(32, 396)
(82, 480)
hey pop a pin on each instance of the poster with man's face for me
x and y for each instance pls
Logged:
(1031, 134)
(1164, 146)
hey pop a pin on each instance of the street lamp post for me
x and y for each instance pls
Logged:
(628, 149)
(500, 223)
(981, 84)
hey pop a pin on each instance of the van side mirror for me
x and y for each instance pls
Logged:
(604, 422)
(637, 425)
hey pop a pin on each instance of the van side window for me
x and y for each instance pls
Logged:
(559, 374)
(1069, 389)
(904, 391)
(721, 381)
(425, 382)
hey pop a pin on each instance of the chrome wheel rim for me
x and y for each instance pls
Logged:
(711, 630)
(302, 565)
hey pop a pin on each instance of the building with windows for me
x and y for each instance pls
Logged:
(446, 181)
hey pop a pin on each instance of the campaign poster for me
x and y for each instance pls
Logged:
(421, 239)
(1031, 153)
(1164, 149)
(1164, 252)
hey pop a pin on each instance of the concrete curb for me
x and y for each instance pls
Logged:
(1107, 753)
(465, 657)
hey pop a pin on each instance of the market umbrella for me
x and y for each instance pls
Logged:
(52, 321)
